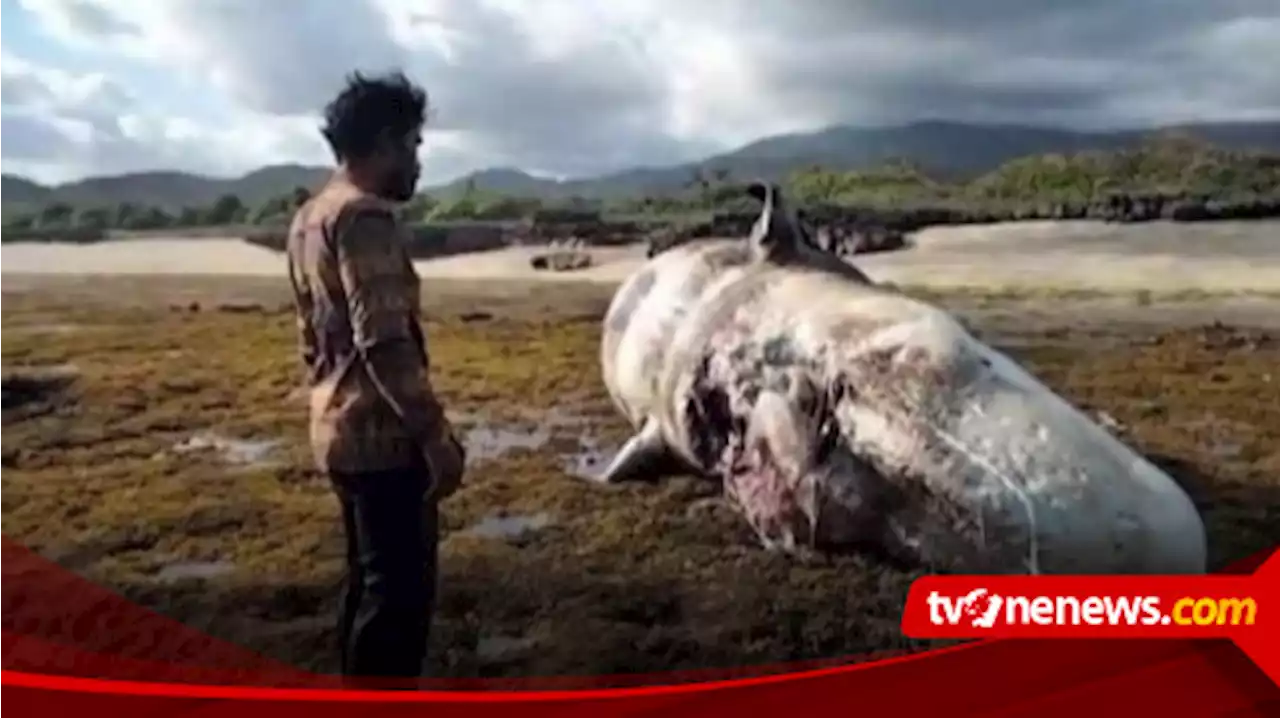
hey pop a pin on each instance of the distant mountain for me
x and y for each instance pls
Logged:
(275, 180)
(17, 190)
(943, 148)
(504, 180)
(171, 190)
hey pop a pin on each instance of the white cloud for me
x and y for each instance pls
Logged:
(59, 125)
(579, 87)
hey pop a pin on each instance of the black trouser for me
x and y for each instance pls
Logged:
(390, 591)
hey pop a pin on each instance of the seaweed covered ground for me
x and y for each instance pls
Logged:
(154, 442)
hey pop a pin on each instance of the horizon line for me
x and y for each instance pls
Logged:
(763, 138)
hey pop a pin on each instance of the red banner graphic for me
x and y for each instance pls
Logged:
(71, 647)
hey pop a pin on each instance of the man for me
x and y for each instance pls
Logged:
(377, 429)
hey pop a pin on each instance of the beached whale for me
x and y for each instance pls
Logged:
(840, 415)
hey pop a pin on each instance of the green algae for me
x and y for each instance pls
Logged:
(620, 579)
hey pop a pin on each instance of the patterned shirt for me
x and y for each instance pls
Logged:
(372, 407)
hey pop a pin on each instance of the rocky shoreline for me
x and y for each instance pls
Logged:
(843, 230)
(861, 230)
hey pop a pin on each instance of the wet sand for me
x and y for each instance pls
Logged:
(1219, 257)
(1159, 256)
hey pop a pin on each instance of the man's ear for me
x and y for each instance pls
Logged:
(388, 143)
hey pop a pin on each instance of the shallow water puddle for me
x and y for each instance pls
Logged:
(245, 452)
(507, 526)
(590, 460)
(486, 441)
(494, 648)
(199, 570)
(1227, 449)
(44, 371)
(50, 328)
(555, 429)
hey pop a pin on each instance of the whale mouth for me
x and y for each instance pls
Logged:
(790, 469)
(786, 469)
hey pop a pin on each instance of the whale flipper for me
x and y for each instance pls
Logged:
(645, 456)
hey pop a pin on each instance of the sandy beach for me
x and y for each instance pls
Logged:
(1220, 257)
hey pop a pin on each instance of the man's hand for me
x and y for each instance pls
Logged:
(446, 461)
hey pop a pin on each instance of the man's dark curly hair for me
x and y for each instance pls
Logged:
(370, 108)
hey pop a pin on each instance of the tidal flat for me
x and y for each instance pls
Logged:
(155, 443)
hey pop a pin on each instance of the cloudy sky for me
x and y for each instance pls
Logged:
(575, 87)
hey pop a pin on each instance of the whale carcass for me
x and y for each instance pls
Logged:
(840, 415)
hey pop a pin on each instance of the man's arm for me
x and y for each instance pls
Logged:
(369, 266)
(305, 333)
